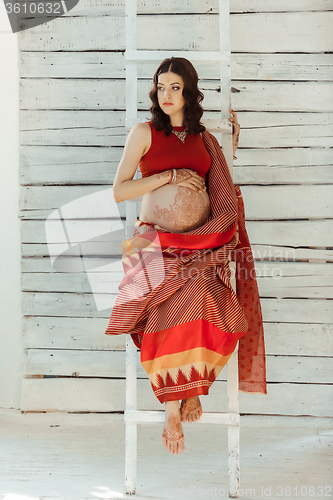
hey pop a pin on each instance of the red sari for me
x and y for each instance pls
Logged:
(177, 303)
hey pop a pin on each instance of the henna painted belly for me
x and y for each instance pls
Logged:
(175, 208)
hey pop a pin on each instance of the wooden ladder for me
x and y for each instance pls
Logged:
(132, 415)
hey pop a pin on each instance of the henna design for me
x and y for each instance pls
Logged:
(189, 208)
(235, 144)
(165, 174)
(190, 404)
(235, 131)
(175, 431)
(182, 175)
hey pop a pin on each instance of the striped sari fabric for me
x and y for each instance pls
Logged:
(176, 300)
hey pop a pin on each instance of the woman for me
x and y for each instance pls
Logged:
(175, 298)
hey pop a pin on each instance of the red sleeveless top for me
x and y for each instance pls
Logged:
(169, 152)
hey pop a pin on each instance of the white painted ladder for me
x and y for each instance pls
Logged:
(132, 415)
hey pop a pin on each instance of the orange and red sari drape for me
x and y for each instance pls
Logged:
(177, 302)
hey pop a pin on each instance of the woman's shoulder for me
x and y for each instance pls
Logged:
(139, 137)
(140, 132)
(141, 128)
(146, 130)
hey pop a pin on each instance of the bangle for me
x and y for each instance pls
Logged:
(235, 157)
(173, 178)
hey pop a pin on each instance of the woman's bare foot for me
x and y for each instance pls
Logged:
(173, 437)
(191, 409)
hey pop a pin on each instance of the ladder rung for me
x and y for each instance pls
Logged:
(142, 416)
(212, 125)
(204, 57)
(217, 125)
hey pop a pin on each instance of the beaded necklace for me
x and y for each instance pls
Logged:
(181, 135)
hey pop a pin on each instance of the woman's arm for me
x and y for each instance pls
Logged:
(235, 133)
(124, 187)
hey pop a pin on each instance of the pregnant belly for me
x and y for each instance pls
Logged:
(175, 208)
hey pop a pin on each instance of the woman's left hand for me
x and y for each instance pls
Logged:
(235, 130)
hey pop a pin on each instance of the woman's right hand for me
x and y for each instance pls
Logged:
(189, 178)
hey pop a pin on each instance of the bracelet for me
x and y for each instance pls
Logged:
(173, 177)
(235, 157)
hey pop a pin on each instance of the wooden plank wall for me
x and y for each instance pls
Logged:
(72, 100)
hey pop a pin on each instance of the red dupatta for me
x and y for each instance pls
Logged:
(159, 264)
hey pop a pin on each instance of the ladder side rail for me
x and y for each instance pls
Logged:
(225, 79)
(227, 145)
(130, 426)
(131, 67)
(131, 211)
(196, 57)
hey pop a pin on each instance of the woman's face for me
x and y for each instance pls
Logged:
(170, 95)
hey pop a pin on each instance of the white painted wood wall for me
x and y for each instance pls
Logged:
(10, 239)
(72, 100)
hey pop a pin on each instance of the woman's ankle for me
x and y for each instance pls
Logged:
(172, 404)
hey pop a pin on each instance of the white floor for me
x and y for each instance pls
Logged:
(81, 456)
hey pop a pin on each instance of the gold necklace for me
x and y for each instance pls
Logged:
(181, 135)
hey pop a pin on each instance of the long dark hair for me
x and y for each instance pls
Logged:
(193, 97)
